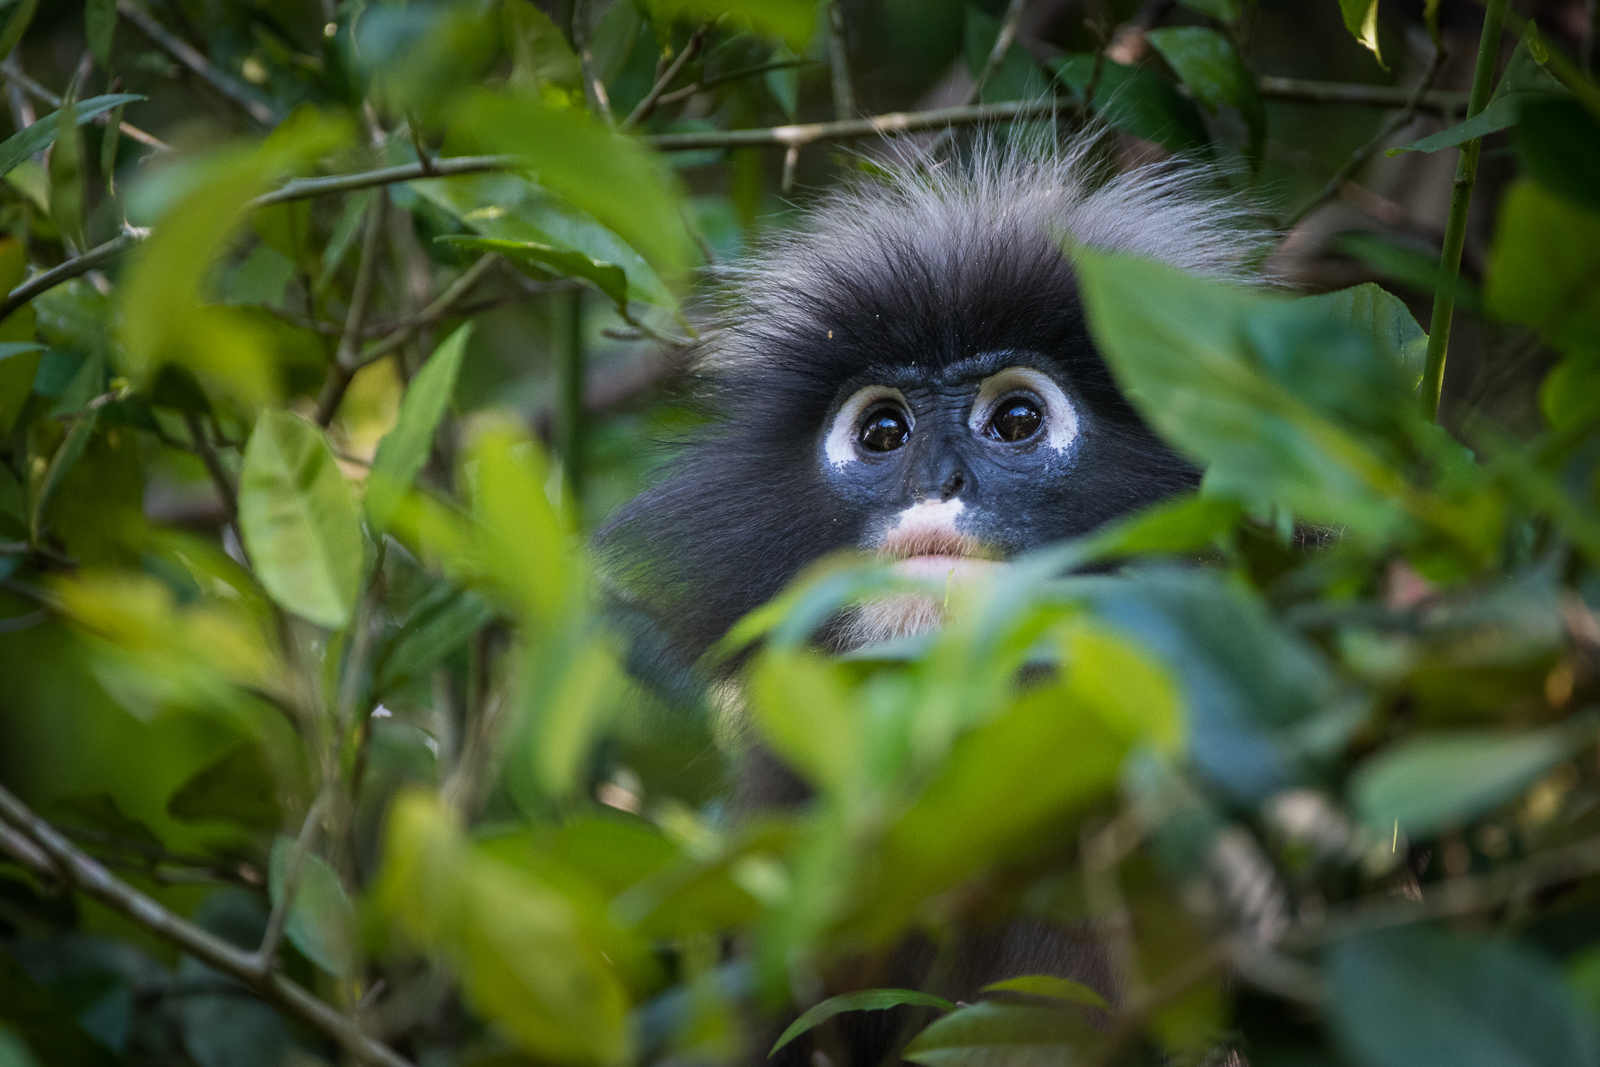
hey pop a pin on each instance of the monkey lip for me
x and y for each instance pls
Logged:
(938, 553)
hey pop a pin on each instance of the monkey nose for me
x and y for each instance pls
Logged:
(952, 485)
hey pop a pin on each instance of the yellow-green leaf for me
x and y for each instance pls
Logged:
(404, 450)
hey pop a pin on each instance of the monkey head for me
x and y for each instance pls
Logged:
(910, 373)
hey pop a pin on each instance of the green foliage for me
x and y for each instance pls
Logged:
(303, 642)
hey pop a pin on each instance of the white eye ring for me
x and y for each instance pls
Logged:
(1060, 417)
(841, 444)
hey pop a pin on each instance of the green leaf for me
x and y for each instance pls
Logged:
(16, 26)
(65, 456)
(994, 1032)
(42, 134)
(611, 176)
(866, 1000)
(1047, 985)
(1181, 526)
(1138, 101)
(1378, 313)
(100, 27)
(66, 174)
(1416, 998)
(403, 452)
(19, 362)
(1559, 141)
(570, 690)
(802, 705)
(1210, 65)
(609, 278)
(432, 632)
(790, 19)
(322, 921)
(299, 520)
(1361, 19)
(1525, 82)
(1222, 10)
(237, 787)
(14, 1051)
(1546, 254)
(529, 956)
(1435, 781)
(527, 549)
(540, 54)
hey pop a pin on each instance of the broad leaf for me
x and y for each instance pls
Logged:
(237, 787)
(790, 19)
(540, 55)
(403, 452)
(1416, 998)
(609, 278)
(1559, 140)
(1048, 985)
(1432, 782)
(299, 520)
(866, 1000)
(322, 920)
(1546, 255)
(1361, 19)
(1138, 101)
(1210, 65)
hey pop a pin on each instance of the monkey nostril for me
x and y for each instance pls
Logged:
(952, 485)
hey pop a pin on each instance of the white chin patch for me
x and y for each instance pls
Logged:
(1060, 417)
(839, 447)
(886, 618)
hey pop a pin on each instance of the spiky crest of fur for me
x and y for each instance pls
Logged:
(922, 266)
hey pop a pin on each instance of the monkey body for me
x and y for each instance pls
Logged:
(910, 373)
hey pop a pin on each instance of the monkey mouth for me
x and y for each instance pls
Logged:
(937, 553)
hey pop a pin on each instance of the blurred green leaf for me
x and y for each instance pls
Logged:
(322, 921)
(237, 787)
(804, 710)
(527, 547)
(1046, 985)
(99, 28)
(1404, 998)
(1186, 524)
(16, 25)
(404, 450)
(71, 449)
(519, 945)
(67, 174)
(1361, 19)
(1377, 313)
(570, 690)
(161, 298)
(1434, 781)
(790, 19)
(1221, 10)
(42, 134)
(299, 520)
(1138, 101)
(540, 55)
(1545, 258)
(1559, 141)
(19, 362)
(14, 1051)
(1415, 266)
(1210, 65)
(601, 171)
(995, 1032)
(435, 629)
(866, 1000)
(609, 278)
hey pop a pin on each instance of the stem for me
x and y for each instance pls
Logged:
(72, 268)
(278, 920)
(1455, 232)
(42, 849)
(186, 54)
(213, 463)
(346, 361)
(572, 407)
(647, 106)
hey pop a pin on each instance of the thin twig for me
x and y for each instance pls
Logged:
(1359, 157)
(307, 188)
(875, 126)
(72, 268)
(844, 96)
(190, 57)
(593, 87)
(346, 359)
(1455, 230)
(647, 106)
(997, 56)
(443, 305)
(45, 96)
(44, 850)
(266, 956)
(1305, 91)
(213, 463)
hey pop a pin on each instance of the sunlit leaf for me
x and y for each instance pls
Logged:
(403, 452)
(804, 711)
(1046, 985)
(1407, 997)
(866, 1000)
(1361, 19)
(322, 921)
(1431, 782)
(299, 520)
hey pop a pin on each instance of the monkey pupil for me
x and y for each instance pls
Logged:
(1017, 420)
(884, 431)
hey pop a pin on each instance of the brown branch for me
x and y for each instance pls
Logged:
(44, 850)
(1359, 157)
(647, 106)
(190, 57)
(72, 268)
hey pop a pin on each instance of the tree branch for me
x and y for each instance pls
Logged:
(44, 850)
(186, 54)
(72, 268)
(647, 106)
(1301, 90)
(442, 306)
(448, 167)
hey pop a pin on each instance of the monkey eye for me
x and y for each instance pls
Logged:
(884, 429)
(1015, 419)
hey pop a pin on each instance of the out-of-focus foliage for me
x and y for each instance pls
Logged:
(300, 635)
